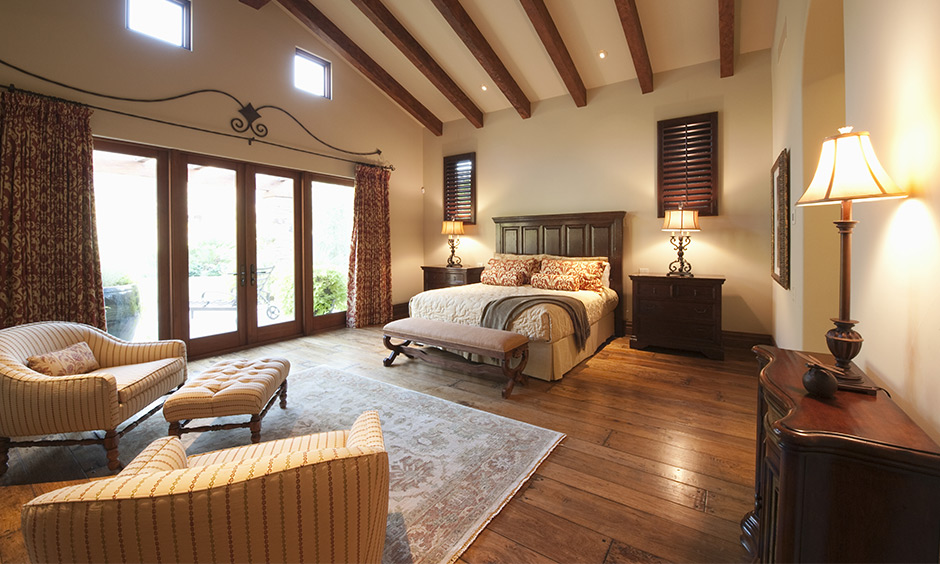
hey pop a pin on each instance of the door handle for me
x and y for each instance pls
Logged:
(241, 275)
(254, 276)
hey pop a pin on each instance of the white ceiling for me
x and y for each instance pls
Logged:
(678, 33)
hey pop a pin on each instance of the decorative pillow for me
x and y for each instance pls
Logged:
(526, 266)
(605, 277)
(589, 271)
(558, 282)
(503, 277)
(76, 359)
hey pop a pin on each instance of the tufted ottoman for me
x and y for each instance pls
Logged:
(229, 387)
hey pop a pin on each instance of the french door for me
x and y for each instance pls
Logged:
(236, 253)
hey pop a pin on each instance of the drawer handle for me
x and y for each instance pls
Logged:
(702, 310)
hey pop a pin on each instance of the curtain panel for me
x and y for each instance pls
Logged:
(49, 265)
(369, 291)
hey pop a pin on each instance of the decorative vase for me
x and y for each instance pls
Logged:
(122, 310)
(820, 383)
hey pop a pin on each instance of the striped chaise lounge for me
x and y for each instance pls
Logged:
(313, 498)
(124, 379)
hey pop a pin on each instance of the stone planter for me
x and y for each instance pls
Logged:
(122, 310)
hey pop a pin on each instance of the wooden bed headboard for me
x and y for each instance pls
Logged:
(596, 234)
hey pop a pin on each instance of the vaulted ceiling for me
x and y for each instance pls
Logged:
(444, 60)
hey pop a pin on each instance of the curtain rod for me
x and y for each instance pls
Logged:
(247, 122)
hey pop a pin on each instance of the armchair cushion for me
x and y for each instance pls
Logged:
(74, 359)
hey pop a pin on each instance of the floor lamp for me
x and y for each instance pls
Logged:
(848, 171)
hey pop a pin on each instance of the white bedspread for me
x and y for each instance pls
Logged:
(543, 322)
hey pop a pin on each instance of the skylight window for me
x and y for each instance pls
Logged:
(167, 20)
(312, 74)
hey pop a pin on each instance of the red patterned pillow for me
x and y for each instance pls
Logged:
(76, 359)
(558, 282)
(526, 266)
(503, 277)
(590, 272)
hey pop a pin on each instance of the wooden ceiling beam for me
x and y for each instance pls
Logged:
(468, 32)
(256, 4)
(548, 32)
(630, 20)
(726, 36)
(409, 46)
(339, 42)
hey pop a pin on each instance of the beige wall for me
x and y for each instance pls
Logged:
(786, 61)
(240, 50)
(892, 84)
(603, 157)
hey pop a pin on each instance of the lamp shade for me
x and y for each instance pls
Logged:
(849, 170)
(681, 220)
(452, 228)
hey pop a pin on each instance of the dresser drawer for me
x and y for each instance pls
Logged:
(682, 311)
(679, 290)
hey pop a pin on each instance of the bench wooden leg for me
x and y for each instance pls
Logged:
(175, 429)
(255, 426)
(283, 394)
(4, 454)
(515, 374)
(396, 350)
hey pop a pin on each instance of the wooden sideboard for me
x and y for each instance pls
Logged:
(847, 479)
(444, 276)
(678, 313)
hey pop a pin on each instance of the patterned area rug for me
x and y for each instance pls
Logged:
(452, 468)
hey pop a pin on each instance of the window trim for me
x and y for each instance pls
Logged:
(327, 72)
(187, 35)
(451, 196)
(691, 190)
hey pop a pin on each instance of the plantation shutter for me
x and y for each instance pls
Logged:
(460, 188)
(688, 164)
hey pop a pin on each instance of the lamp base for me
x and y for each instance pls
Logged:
(453, 261)
(844, 343)
(680, 266)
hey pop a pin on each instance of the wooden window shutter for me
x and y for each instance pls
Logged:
(460, 188)
(688, 164)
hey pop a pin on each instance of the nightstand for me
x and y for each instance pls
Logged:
(678, 313)
(444, 276)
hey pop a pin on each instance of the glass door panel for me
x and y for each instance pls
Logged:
(214, 273)
(274, 270)
(332, 219)
(126, 215)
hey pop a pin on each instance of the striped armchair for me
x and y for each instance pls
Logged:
(129, 378)
(315, 498)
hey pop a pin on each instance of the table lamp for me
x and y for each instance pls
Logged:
(680, 222)
(452, 229)
(848, 170)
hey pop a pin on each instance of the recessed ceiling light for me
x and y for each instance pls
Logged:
(483, 87)
(602, 54)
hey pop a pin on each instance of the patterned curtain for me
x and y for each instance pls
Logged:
(49, 266)
(369, 300)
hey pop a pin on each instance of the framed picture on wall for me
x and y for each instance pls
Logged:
(780, 219)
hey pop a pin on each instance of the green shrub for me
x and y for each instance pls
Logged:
(329, 291)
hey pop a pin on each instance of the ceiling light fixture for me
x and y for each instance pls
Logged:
(602, 54)
(483, 87)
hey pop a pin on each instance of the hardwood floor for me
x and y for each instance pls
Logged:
(657, 465)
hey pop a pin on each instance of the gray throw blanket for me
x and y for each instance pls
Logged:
(499, 313)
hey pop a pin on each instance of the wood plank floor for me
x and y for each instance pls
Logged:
(657, 465)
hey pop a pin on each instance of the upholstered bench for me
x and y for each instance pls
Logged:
(503, 346)
(229, 387)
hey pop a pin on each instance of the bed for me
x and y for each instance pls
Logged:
(552, 348)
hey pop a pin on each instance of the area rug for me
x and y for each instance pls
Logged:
(452, 468)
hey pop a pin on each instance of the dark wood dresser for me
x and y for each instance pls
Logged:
(847, 479)
(444, 276)
(678, 313)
